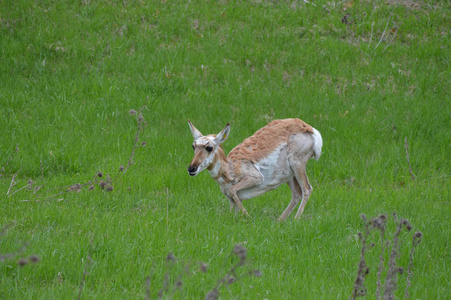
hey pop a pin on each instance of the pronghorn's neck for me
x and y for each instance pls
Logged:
(219, 168)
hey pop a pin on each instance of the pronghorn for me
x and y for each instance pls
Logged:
(275, 154)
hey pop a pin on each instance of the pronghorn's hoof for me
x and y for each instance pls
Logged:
(244, 211)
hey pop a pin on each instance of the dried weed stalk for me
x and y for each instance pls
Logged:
(21, 261)
(363, 270)
(393, 269)
(415, 241)
(171, 286)
(13, 182)
(8, 160)
(141, 124)
(104, 181)
(231, 276)
(384, 245)
(88, 263)
(391, 278)
(406, 145)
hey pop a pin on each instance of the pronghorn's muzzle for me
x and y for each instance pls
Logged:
(192, 170)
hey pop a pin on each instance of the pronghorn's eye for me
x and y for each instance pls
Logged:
(209, 148)
(193, 147)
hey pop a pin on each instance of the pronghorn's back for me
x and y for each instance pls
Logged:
(267, 139)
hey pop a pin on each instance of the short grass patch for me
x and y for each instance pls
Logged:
(369, 75)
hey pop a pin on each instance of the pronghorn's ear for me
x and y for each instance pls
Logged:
(195, 132)
(223, 135)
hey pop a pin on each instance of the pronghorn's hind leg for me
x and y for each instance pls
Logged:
(300, 151)
(296, 195)
(306, 191)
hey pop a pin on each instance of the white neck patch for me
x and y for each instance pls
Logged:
(215, 171)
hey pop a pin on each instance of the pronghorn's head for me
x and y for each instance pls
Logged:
(205, 148)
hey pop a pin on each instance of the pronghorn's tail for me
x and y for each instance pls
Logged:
(317, 143)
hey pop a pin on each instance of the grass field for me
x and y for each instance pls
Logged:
(369, 75)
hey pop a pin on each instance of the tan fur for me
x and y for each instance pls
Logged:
(267, 139)
(199, 156)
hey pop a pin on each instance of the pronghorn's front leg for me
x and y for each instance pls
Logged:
(243, 184)
(250, 178)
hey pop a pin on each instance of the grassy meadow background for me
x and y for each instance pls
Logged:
(366, 74)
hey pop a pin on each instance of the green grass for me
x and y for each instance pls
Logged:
(71, 70)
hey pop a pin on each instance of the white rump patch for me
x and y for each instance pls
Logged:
(317, 143)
